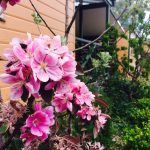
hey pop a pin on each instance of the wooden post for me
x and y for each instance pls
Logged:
(80, 19)
(67, 19)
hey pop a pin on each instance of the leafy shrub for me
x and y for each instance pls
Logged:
(137, 134)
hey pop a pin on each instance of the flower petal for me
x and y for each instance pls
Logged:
(69, 106)
(19, 53)
(51, 59)
(39, 54)
(42, 75)
(50, 85)
(16, 92)
(44, 129)
(36, 131)
(33, 86)
(7, 78)
(37, 106)
(55, 73)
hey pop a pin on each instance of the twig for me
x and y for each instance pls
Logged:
(87, 71)
(131, 75)
(86, 45)
(38, 28)
(41, 18)
(72, 21)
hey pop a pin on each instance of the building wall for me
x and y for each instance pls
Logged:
(19, 21)
(94, 22)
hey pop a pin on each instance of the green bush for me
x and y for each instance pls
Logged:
(137, 134)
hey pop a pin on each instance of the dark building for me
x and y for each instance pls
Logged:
(93, 17)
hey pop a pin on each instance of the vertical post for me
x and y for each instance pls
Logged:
(107, 15)
(80, 19)
(67, 19)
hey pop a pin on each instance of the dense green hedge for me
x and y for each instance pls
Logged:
(137, 134)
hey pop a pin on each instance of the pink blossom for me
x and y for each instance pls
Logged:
(25, 55)
(62, 102)
(19, 80)
(9, 55)
(28, 138)
(55, 42)
(46, 66)
(63, 97)
(16, 89)
(38, 124)
(50, 112)
(82, 93)
(13, 2)
(68, 65)
(71, 91)
(3, 3)
(32, 85)
(86, 113)
(99, 122)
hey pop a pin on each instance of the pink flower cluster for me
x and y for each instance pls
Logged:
(99, 118)
(3, 3)
(44, 64)
(34, 61)
(38, 124)
(69, 93)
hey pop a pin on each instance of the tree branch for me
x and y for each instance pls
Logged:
(41, 18)
(86, 45)
(72, 21)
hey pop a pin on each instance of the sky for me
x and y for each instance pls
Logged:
(147, 15)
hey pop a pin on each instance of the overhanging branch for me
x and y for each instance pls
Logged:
(41, 18)
(72, 20)
(95, 40)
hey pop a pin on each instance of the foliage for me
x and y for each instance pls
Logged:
(137, 134)
(120, 82)
(36, 18)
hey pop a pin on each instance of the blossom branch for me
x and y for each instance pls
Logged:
(41, 18)
(95, 40)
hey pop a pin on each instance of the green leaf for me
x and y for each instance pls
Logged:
(16, 144)
(63, 40)
(36, 18)
(3, 128)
